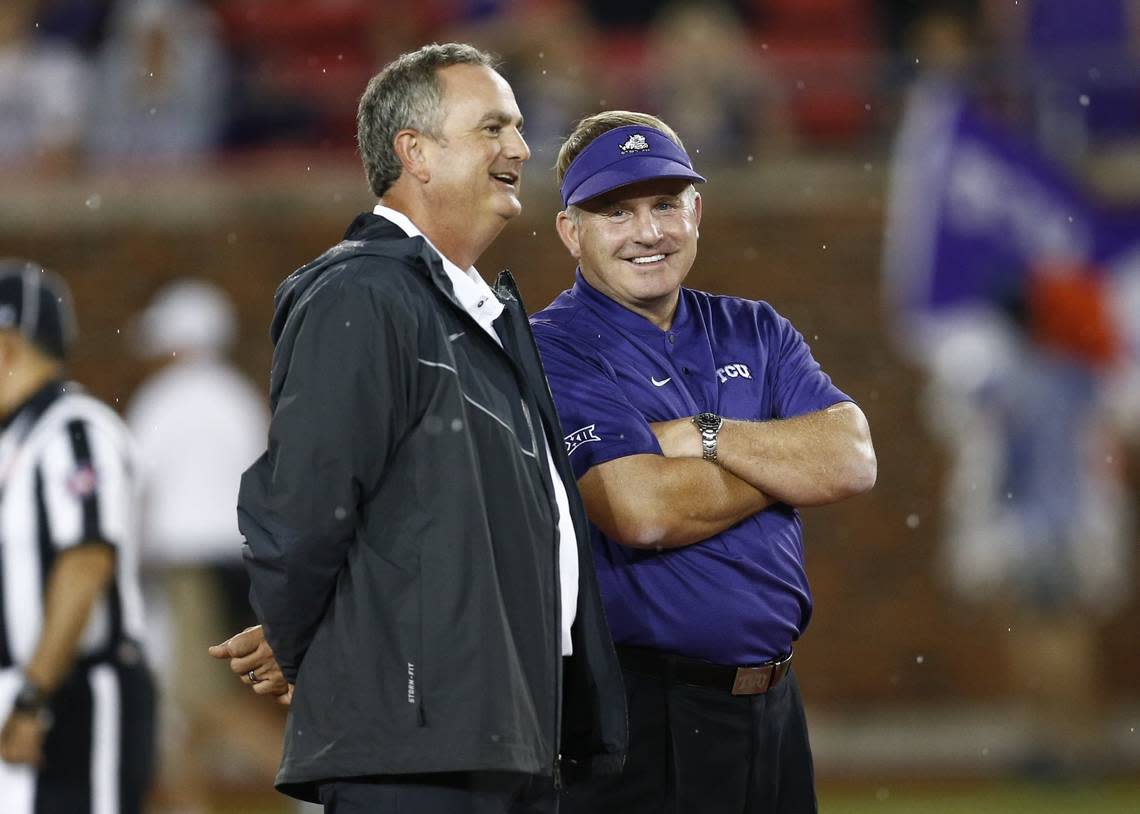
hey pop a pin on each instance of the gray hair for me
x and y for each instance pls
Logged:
(405, 95)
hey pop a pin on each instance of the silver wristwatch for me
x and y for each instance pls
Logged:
(709, 424)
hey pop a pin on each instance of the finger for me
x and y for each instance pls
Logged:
(220, 651)
(259, 659)
(268, 688)
(247, 642)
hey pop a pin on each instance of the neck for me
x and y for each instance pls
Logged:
(23, 382)
(462, 242)
(659, 312)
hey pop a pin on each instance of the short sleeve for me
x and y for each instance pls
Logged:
(86, 485)
(800, 384)
(598, 421)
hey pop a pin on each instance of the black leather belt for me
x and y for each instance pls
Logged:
(749, 680)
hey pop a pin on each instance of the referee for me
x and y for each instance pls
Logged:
(76, 698)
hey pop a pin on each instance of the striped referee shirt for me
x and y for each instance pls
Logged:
(66, 478)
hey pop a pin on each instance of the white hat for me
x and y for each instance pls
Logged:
(187, 315)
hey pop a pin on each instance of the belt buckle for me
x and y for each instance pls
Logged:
(752, 680)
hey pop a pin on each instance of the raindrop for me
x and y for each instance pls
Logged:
(919, 659)
(749, 159)
(1084, 100)
(339, 513)
(912, 521)
(456, 424)
(94, 201)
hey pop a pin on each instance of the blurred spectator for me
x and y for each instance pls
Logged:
(80, 23)
(198, 423)
(703, 77)
(1010, 288)
(548, 52)
(160, 85)
(43, 91)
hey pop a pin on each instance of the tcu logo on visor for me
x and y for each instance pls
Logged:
(579, 437)
(635, 144)
(733, 371)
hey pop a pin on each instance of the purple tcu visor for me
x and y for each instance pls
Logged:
(624, 155)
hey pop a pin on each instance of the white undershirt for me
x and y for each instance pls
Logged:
(480, 302)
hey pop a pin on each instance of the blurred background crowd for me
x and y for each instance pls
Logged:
(944, 196)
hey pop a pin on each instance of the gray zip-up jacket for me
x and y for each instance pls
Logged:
(401, 537)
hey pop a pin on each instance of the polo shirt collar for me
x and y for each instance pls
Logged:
(616, 313)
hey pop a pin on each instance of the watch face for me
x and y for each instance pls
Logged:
(708, 421)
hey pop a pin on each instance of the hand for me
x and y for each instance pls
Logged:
(22, 739)
(678, 438)
(249, 653)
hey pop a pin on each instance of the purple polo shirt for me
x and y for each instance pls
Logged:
(742, 596)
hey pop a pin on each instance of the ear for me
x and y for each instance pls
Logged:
(409, 147)
(568, 231)
(697, 213)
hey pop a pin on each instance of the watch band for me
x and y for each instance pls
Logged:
(30, 698)
(709, 425)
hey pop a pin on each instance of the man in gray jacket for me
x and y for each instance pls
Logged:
(418, 553)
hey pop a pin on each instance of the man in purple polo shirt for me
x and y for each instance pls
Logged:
(696, 425)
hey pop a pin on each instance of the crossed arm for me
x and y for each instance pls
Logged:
(678, 498)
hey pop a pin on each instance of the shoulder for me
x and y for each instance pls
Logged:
(565, 320)
(78, 419)
(737, 313)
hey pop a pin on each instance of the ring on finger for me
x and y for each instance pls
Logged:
(252, 676)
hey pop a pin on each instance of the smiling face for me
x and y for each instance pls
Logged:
(637, 244)
(475, 159)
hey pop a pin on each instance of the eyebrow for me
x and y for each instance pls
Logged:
(500, 117)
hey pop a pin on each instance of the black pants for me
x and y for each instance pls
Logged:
(99, 755)
(695, 750)
(447, 793)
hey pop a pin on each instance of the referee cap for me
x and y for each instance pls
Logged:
(36, 303)
(623, 156)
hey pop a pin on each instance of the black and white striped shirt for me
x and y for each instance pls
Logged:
(66, 478)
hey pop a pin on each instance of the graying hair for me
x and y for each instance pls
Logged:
(405, 95)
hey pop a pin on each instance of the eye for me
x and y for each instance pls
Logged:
(493, 129)
(666, 206)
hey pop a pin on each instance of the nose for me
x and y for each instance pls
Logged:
(648, 229)
(515, 146)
